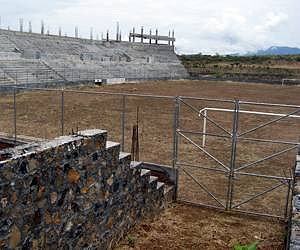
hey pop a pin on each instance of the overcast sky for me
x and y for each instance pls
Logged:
(213, 26)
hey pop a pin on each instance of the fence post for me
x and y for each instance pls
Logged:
(123, 122)
(62, 111)
(287, 199)
(235, 124)
(15, 115)
(175, 143)
(204, 128)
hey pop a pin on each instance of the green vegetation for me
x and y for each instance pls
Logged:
(237, 59)
(252, 246)
(271, 68)
(131, 241)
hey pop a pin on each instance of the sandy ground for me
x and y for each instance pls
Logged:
(39, 114)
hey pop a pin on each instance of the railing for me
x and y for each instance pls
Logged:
(204, 113)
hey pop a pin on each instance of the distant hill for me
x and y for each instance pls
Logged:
(276, 50)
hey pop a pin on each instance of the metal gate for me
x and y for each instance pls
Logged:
(219, 166)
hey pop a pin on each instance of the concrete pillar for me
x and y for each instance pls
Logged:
(91, 33)
(42, 27)
(156, 36)
(133, 34)
(21, 21)
(117, 32)
(142, 34)
(150, 39)
(107, 36)
(29, 27)
(173, 36)
(76, 32)
(59, 31)
(120, 36)
(129, 37)
(169, 42)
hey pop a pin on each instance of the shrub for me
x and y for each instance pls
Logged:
(252, 246)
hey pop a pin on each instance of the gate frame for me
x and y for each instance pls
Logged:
(232, 170)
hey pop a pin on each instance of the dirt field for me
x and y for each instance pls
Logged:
(186, 227)
(39, 114)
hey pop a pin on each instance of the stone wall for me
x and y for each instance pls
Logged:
(294, 241)
(74, 192)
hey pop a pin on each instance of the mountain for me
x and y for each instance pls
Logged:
(277, 50)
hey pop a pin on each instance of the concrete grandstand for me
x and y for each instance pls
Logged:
(31, 58)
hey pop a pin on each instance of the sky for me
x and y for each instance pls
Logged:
(201, 26)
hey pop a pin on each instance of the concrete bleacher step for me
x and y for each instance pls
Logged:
(71, 59)
(28, 71)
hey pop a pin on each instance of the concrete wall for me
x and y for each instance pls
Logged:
(73, 192)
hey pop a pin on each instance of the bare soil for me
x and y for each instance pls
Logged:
(187, 227)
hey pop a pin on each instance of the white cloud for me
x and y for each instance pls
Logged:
(225, 26)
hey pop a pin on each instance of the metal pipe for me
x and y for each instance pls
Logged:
(199, 204)
(266, 158)
(201, 167)
(268, 123)
(264, 176)
(287, 200)
(212, 121)
(175, 145)
(206, 99)
(201, 133)
(250, 112)
(268, 141)
(258, 195)
(233, 156)
(205, 189)
(100, 93)
(204, 151)
(204, 129)
(270, 104)
(257, 214)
